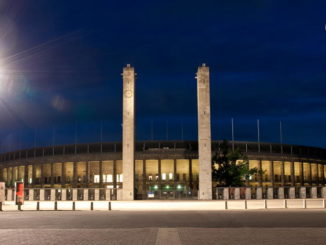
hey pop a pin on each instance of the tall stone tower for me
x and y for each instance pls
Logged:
(128, 134)
(204, 133)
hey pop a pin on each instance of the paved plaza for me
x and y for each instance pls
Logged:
(179, 227)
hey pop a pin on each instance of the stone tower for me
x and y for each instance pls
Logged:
(204, 133)
(128, 134)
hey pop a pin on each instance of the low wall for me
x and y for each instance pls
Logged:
(168, 205)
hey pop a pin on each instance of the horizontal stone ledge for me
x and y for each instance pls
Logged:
(168, 205)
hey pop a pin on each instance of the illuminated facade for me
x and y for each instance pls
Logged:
(163, 170)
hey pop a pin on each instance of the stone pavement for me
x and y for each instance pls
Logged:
(120, 227)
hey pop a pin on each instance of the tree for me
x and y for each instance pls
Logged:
(231, 168)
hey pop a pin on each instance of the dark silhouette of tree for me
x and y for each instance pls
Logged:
(231, 168)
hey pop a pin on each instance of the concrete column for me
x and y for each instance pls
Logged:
(204, 133)
(270, 193)
(260, 167)
(303, 192)
(323, 177)
(226, 194)
(96, 194)
(282, 173)
(107, 194)
(52, 195)
(33, 174)
(42, 174)
(52, 175)
(74, 176)
(323, 193)
(292, 174)
(292, 193)
(259, 193)
(87, 174)
(313, 193)
(248, 193)
(128, 135)
(63, 174)
(160, 178)
(41, 194)
(174, 176)
(85, 194)
(302, 174)
(281, 193)
(31, 195)
(9, 195)
(272, 175)
(236, 193)
(26, 180)
(63, 194)
(101, 173)
(74, 194)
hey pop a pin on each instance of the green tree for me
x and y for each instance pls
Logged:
(231, 168)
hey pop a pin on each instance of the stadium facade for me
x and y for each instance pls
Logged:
(158, 169)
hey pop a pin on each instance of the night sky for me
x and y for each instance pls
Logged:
(61, 64)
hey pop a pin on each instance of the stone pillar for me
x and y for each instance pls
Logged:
(128, 135)
(52, 175)
(101, 173)
(323, 193)
(248, 193)
(313, 193)
(259, 193)
(9, 195)
(236, 193)
(42, 174)
(85, 194)
(41, 194)
(96, 194)
(292, 174)
(260, 168)
(270, 193)
(292, 193)
(52, 195)
(282, 173)
(281, 193)
(33, 174)
(204, 133)
(26, 180)
(107, 194)
(63, 174)
(74, 194)
(63, 194)
(74, 177)
(302, 176)
(272, 175)
(31, 195)
(226, 194)
(303, 192)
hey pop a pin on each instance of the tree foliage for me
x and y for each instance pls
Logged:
(231, 168)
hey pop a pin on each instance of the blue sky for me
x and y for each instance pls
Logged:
(61, 63)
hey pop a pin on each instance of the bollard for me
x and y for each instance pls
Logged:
(19, 207)
(305, 203)
(110, 206)
(0, 206)
(285, 203)
(265, 203)
(38, 206)
(92, 206)
(56, 206)
(73, 206)
(246, 205)
(226, 205)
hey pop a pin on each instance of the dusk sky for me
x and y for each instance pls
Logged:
(61, 64)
